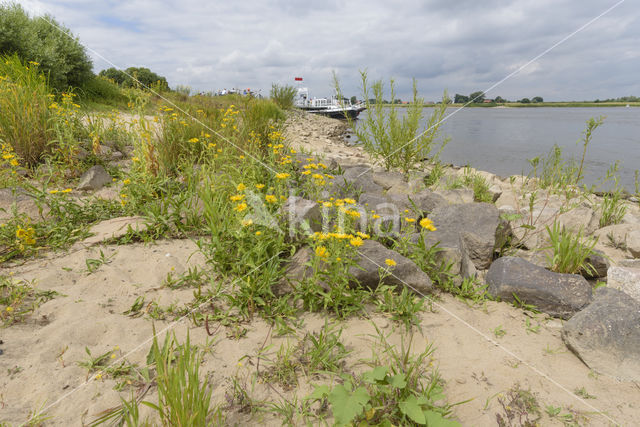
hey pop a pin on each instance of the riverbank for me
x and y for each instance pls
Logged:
(111, 290)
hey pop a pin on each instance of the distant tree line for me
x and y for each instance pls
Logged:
(134, 77)
(479, 97)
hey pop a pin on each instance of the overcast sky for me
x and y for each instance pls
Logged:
(459, 45)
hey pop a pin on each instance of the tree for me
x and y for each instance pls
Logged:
(460, 99)
(59, 54)
(537, 99)
(354, 100)
(477, 97)
(144, 76)
(499, 100)
(525, 101)
(114, 74)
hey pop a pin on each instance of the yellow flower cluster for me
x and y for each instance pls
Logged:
(341, 236)
(427, 224)
(26, 236)
(66, 190)
(8, 156)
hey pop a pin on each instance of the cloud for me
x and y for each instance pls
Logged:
(462, 46)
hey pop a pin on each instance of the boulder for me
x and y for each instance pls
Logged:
(302, 216)
(457, 196)
(605, 335)
(560, 295)
(622, 236)
(625, 279)
(94, 179)
(477, 223)
(358, 179)
(24, 204)
(372, 258)
(600, 265)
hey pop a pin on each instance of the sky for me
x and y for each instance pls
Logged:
(461, 46)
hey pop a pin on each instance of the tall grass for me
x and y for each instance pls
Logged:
(283, 96)
(26, 119)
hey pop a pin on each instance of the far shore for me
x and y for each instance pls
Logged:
(533, 104)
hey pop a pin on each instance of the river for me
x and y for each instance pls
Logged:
(502, 140)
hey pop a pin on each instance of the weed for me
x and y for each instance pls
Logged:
(583, 393)
(499, 332)
(323, 350)
(19, 299)
(401, 392)
(403, 306)
(93, 264)
(612, 208)
(283, 367)
(529, 327)
(569, 252)
(519, 407)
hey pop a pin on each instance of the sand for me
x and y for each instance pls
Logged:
(39, 367)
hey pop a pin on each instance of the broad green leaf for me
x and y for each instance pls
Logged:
(435, 419)
(411, 409)
(398, 381)
(345, 405)
(320, 392)
(377, 374)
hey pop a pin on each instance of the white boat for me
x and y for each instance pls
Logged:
(331, 107)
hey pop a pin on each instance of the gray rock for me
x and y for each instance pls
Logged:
(457, 196)
(600, 265)
(302, 216)
(427, 201)
(623, 236)
(625, 279)
(560, 295)
(478, 223)
(405, 273)
(605, 335)
(358, 179)
(94, 179)
(372, 257)
(387, 179)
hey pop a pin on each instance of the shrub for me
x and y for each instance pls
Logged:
(103, 90)
(25, 122)
(398, 142)
(283, 96)
(569, 253)
(42, 39)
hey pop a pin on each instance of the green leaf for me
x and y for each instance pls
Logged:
(377, 374)
(398, 381)
(319, 392)
(411, 409)
(345, 405)
(435, 419)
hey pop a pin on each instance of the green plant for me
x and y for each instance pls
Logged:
(283, 96)
(26, 119)
(323, 350)
(93, 264)
(183, 399)
(397, 142)
(403, 306)
(519, 407)
(582, 392)
(612, 208)
(569, 253)
(400, 393)
(499, 332)
(592, 124)
(479, 186)
(19, 299)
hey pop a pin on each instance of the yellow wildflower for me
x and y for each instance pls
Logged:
(282, 175)
(236, 198)
(194, 140)
(410, 220)
(9, 309)
(390, 262)
(126, 181)
(356, 242)
(258, 233)
(66, 190)
(240, 207)
(246, 222)
(259, 186)
(241, 187)
(322, 252)
(53, 191)
(270, 198)
(427, 224)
